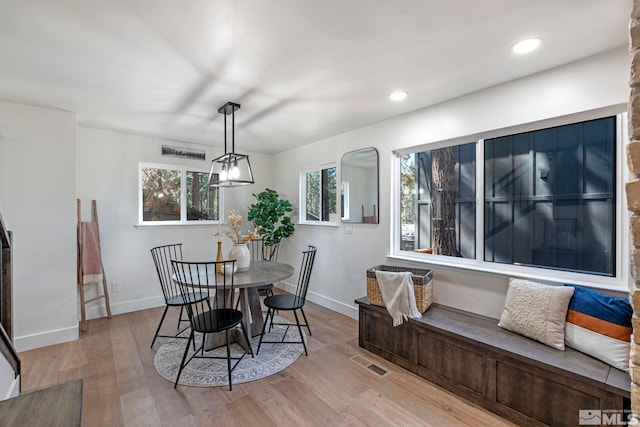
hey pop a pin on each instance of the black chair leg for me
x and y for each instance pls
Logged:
(273, 314)
(180, 317)
(226, 332)
(184, 357)
(300, 331)
(246, 337)
(166, 307)
(264, 327)
(306, 322)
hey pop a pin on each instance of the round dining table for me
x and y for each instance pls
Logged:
(247, 282)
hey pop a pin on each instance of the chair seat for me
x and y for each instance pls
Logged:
(216, 320)
(179, 299)
(284, 302)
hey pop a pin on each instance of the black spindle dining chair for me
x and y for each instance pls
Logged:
(214, 314)
(162, 256)
(291, 302)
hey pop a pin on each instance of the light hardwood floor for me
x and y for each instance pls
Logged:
(327, 388)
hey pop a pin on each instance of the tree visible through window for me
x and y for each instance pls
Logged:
(161, 190)
(319, 196)
(549, 199)
(438, 201)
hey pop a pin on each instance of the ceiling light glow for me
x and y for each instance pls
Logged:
(398, 95)
(526, 46)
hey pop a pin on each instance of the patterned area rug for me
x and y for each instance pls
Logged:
(213, 372)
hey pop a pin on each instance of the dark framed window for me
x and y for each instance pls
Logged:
(550, 198)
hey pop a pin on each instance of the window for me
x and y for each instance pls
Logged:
(318, 196)
(438, 206)
(548, 200)
(176, 195)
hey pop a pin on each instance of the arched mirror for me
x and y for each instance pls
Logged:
(359, 196)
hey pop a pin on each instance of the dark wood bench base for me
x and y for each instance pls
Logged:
(520, 379)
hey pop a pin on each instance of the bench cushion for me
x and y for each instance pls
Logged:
(600, 326)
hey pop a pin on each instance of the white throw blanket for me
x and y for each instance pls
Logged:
(398, 296)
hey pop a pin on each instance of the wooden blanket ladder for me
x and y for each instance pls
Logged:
(81, 284)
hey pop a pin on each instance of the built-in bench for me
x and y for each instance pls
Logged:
(520, 379)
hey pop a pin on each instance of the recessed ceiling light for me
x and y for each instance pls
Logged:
(399, 95)
(526, 46)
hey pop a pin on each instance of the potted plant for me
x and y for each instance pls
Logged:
(270, 216)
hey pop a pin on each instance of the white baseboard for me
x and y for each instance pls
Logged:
(98, 310)
(29, 342)
(95, 311)
(331, 304)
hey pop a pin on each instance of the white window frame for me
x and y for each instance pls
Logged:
(302, 210)
(618, 282)
(183, 198)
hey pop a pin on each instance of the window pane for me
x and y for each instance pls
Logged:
(408, 202)
(160, 194)
(313, 212)
(329, 195)
(438, 206)
(550, 198)
(202, 200)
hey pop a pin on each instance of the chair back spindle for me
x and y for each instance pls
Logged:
(308, 258)
(261, 251)
(162, 256)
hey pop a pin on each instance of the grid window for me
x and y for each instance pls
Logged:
(175, 195)
(548, 199)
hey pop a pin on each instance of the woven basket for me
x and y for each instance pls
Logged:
(422, 285)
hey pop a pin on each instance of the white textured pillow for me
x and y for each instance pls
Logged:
(536, 311)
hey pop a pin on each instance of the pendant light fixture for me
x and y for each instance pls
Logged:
(231, 169)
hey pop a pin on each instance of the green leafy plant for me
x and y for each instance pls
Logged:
(270, 215)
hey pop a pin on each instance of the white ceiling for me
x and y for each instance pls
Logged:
(302, 69)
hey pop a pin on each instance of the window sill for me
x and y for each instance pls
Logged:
(320, 224)
(536, 274)
(178, 225)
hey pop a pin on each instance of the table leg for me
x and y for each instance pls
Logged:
(251, 319)
(252, 315)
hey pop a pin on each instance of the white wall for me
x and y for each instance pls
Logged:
(342, 259)
(107, 165)
(44, 166)
(37, 201)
